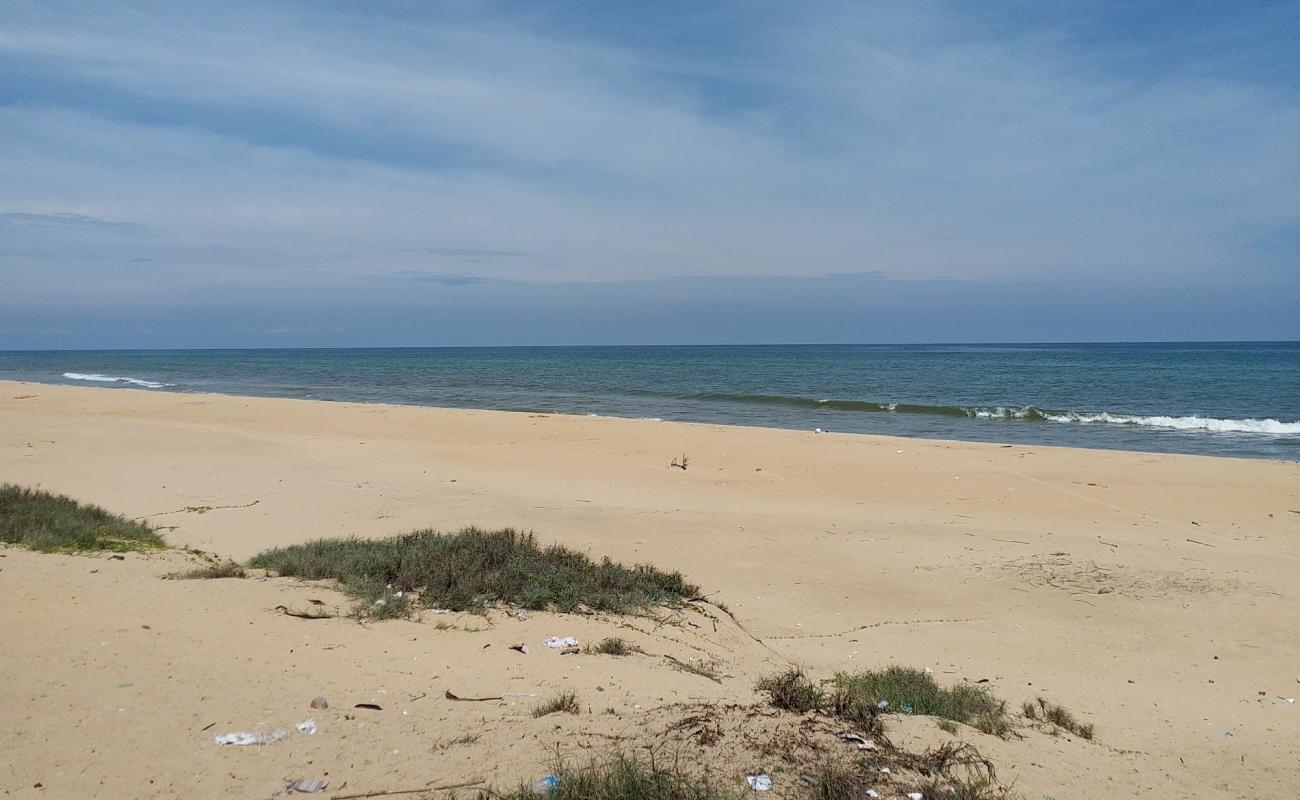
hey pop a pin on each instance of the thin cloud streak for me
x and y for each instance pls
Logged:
(279, 151)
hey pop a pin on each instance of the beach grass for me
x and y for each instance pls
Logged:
(53, 523)
(213, 571)
(861, 698)
(907, 690)
(623, 777)
(613, 646)
(792, 690)
(1051, 713)
(473, 570)
(565, 702)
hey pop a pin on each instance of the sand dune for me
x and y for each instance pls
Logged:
(1153, 595)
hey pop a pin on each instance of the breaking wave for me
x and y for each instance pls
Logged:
(78, 376)
(1271, 427)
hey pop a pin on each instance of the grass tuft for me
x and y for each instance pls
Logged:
(53, 523)
(906, 690)
(220, 569)
(792, 690)
(565, 702)
(622, 777)
(702, 668)
(475, 569)
(613, 646)
(1053, 714)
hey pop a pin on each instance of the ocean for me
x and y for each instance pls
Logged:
(1226, 399)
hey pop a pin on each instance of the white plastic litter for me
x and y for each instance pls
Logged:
(1291, 700)
(862, 742)
(243, 738)
(882, 705)
(760, 783)
(308, 726)
(872, 793)
(929, 670)
(915, 796)
(307, 787)
(559, 642)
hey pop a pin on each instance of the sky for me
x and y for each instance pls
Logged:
(368, 174)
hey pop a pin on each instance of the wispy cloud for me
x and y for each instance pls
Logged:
(282, 151)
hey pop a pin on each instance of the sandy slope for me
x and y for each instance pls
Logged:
(1156, 596)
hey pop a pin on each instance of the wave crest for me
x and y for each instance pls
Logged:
(92, 376)
(1029, 413)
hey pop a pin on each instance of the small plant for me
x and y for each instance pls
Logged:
(792, 690)
(622, 777)
(970, 787)
(1057, 716)
(613, 646)
(697, 667)
(905, 690)
(680, 462)
(53, 523)
(565, 702)
(839, 782)
(459, 741)
(216, 570)
(947, 726)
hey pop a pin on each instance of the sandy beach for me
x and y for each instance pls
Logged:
(1155, 596)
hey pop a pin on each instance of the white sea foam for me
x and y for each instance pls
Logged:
(78, 376)
(1268, 426)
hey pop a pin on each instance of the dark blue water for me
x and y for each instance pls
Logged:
(1220, 399)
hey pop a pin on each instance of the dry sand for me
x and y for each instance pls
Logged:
(1153, 595)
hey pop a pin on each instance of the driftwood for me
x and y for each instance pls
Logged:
(386, 792)
(451, 696)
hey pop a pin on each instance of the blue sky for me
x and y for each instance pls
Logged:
(316, 174)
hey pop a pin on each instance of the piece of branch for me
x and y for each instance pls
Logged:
(386, 792)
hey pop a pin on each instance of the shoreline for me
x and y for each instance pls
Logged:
(1143, 591)
(656, 420)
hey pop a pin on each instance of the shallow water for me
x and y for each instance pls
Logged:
(1237, 399)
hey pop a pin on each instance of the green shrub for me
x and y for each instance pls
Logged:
(475, 569)
(54, 523)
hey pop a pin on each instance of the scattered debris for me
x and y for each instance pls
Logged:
(1202, 544)
(307, 787)
(522, 616)
(915, 796)
(451, 696)
(862, 742)
(369, 706)
(308, 726)
(571, 650)
(760, 783)
(521, 647)
(304, 614)
(546, 783)
(680, 463)
(320, 702)
(117, 557)
(244, 738)
(560, 642)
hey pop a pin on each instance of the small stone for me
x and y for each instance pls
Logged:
(320, 702)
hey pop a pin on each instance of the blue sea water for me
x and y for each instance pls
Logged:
(1234, 399)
